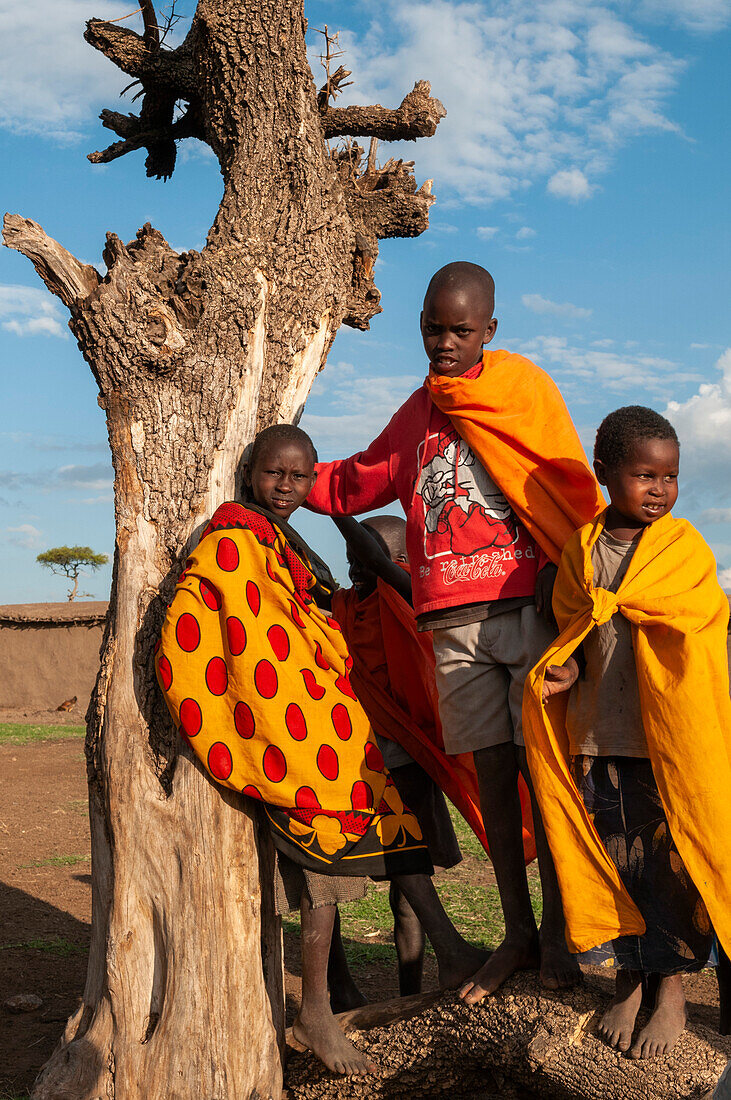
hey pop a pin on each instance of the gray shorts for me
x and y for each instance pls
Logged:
(481, 668)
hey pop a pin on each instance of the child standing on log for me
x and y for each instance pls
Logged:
(256, 676)
(633, 769)
(492, 477)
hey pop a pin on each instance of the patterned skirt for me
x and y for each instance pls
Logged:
(621, 795)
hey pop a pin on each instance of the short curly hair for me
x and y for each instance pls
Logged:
(621, 430)
(280, 433)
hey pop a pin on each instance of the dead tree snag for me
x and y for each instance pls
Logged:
(192, 353)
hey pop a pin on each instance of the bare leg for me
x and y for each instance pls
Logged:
(667, 1022)
(455, 957)
(344, 993)
(723, 975)
(618, 1022)
(497, 773)
(409, 938)
(315, 1026)
(559, 968)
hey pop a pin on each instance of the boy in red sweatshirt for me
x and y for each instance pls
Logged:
(492, 477)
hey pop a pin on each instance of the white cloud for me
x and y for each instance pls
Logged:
(724, 579)
(703, 424)
(534, 89)
(703, 16)
(51, 82)
(25, 535)
(487, 232)
(30, 311)
(716, 515)
(525, 232)
(349, 407)
(570, 184)
(538, 304)
(97, 477)
(583, 372)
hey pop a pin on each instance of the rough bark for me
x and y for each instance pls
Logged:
(192, 353)
(542, 1043)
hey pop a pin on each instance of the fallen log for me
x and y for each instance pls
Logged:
(542, 1042)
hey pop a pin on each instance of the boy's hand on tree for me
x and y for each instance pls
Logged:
(544, 591)
(559, 678)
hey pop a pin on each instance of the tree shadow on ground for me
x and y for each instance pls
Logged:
(43, 950)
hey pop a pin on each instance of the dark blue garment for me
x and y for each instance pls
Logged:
(621, 795)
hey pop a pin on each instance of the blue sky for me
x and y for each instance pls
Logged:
(584, 160)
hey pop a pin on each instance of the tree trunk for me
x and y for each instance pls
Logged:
(523, 1038)
(192, 354)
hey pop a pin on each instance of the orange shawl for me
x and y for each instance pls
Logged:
(408, 711)
(679, 615)
(515, 420)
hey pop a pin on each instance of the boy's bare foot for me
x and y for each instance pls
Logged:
(510, 956)
(667, 1022)
(618, 1022)
(321, 1034)
(559, 968)
(454, 968)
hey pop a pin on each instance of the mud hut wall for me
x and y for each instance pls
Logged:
(43, 663)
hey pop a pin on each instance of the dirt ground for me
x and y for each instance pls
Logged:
(45, 907)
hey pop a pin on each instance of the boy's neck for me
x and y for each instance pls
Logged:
(621, 527)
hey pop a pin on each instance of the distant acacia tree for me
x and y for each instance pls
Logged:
(70, 561)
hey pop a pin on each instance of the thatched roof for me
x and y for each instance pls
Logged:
(89, 612)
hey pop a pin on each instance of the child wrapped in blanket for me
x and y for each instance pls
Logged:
(256, 675)
(632, 770)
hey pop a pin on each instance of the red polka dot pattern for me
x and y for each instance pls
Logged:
(343, 685)
(252, 791)
(274, 764)
(253, 598)
(361, 796)
(244, 720)
(211, 596)
(319, 658)
(236, 635)
(158, 643)
(187, 632)
(227, 556)
(341, 721)
(295, 722)
(279, 641)
(220, 762)
(191, 718)
(296, 617)
(216, 676)
(328, 763)
(265, 679)
(373, 757)
(306, 799)
(165, 670)
(311, 685)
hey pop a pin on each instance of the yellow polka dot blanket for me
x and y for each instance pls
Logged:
(256, 677)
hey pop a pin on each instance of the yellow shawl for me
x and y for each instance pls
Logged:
(257, 678)
(515, 420)
(679, 615)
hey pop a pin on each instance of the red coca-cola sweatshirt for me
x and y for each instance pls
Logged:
(464, 542)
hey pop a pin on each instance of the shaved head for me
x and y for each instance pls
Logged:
(391, 533)
(466, 278)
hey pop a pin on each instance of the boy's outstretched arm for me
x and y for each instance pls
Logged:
(365, 548)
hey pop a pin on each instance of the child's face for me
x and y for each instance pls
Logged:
(282, 477)
(455, 323)
(645, 486)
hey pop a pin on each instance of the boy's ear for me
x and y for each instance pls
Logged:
(246, 474)
(601, 471)
(490, 330)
